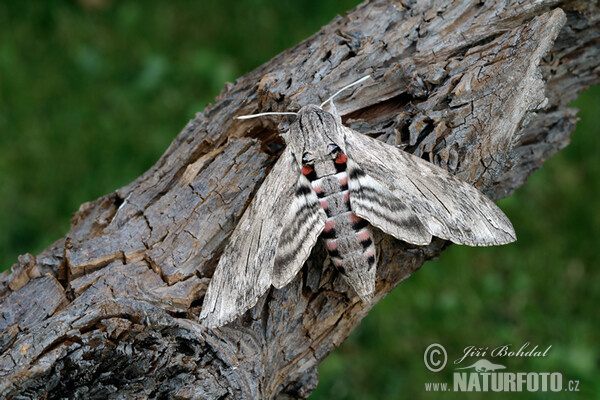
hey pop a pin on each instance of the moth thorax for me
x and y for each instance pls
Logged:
(324, 168)
(335, 163)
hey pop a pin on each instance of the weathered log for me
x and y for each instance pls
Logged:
(110, 311)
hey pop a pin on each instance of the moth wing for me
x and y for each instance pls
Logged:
(301, 228)
(373, 202)
(244, 272)
(448, 207)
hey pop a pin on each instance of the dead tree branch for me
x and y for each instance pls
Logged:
(110, 311)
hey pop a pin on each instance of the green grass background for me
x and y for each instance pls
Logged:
(91, 96)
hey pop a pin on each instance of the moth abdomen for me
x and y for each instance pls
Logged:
(347, 237)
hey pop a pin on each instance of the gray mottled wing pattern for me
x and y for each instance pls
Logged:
(373, 202)
(302, 225)
(245, 269)
(447, 207)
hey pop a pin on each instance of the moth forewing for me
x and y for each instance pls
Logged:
(448, 207)
(244, 271)
(301, 228)
(371, 201)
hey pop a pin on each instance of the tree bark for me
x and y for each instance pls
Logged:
(111, 310)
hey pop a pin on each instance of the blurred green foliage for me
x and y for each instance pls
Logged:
(92, 92)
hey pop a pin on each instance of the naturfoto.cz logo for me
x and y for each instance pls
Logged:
(484, 375)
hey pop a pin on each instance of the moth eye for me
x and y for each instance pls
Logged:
(305, 160)
(334, 149)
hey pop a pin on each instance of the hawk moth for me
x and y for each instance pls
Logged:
(335, 183)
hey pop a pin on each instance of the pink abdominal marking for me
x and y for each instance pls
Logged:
(337, 261)
(354, 218)
(329, 225)
(331, 245)
(364, 235)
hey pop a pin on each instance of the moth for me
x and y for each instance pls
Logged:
(335, 183)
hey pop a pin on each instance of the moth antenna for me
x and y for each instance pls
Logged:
(263, 114)
(361, 80)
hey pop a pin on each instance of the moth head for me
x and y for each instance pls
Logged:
(314, 135)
